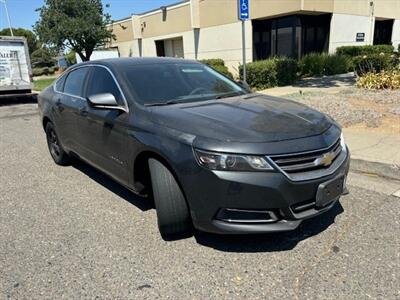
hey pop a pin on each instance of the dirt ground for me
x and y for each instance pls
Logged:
(357, 108)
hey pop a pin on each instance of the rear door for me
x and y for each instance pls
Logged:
(103, 132)
(69, 102)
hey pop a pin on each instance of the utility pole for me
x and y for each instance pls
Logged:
(8, 16)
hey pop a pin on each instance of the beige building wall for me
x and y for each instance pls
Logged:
(210, 28)
(220, 12)
(175, 19)
(387, 9)
(225, 42)
(123, 31)
(124, 36)
(125, 49)
(317, 5)
(149, 45)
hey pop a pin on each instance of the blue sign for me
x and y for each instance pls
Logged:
(244, 11)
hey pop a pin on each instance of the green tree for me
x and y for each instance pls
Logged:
(79, 25)
(31, 38)
(70, 57)
(43, 57)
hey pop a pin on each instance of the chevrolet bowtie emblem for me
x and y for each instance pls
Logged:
(326, 159)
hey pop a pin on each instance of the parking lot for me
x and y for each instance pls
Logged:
(71, 232)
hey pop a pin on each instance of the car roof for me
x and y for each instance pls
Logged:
(131, 61)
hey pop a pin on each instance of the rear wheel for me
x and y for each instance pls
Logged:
(172, 211)
(58, 154)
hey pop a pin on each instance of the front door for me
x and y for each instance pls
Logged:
(103, 132)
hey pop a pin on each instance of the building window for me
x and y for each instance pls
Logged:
(383, 32)
(291, 36)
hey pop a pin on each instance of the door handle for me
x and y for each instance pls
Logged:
(59, 105)
(83, 112)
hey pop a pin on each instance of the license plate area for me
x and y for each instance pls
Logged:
(329, 191)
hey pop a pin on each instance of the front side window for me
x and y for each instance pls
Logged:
(180, 82)
(74, 82)
(102, 82)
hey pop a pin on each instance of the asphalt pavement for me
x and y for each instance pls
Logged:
(70, 232)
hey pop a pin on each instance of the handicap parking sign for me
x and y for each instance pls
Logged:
(244, 13)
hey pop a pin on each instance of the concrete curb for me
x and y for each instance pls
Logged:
(380, 169)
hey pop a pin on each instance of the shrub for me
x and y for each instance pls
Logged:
(337, 64)
(260, 74)
(312, 64)
(37, 71)
(46, 71)
(382, 80)
(286, 70)
(373, 63)
(318, 64)
(271, 72)
(213, 62)
(364, 50)
(218, 65)
(223, 70)
(42, 71)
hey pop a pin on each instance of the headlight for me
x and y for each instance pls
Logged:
(342, 142)
(231, 162)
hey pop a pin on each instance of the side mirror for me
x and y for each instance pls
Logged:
(244, 85)
(104, 101)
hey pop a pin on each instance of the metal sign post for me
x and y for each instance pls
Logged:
(244, 14)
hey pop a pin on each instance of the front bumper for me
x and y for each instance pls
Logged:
(288, 202)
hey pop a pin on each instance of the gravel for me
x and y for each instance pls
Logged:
(353, 106)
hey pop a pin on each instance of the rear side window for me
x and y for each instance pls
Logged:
(74, 82)
(102, 82)
(60, 84)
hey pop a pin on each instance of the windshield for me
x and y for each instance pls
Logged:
(162, 84)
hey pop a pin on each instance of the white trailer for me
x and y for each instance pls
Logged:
(15, 67)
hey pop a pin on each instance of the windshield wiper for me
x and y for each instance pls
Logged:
(227, 95)
(169, 102)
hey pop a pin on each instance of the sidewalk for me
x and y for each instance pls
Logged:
(372, 146)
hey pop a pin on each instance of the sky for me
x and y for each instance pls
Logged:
(23, 14)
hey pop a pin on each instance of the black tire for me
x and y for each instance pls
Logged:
(172, 211)
(58, 154)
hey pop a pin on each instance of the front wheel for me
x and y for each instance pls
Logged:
(172, 211)
(58, 154)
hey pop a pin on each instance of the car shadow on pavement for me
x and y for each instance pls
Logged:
(271, 242)
(142, 203)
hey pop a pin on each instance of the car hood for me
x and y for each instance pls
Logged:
(250, 118)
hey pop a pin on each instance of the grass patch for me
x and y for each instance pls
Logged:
(41, 84)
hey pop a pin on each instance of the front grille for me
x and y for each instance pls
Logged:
(315, 160)
(312, 164)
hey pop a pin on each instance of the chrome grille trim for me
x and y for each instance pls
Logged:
(312, 164)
